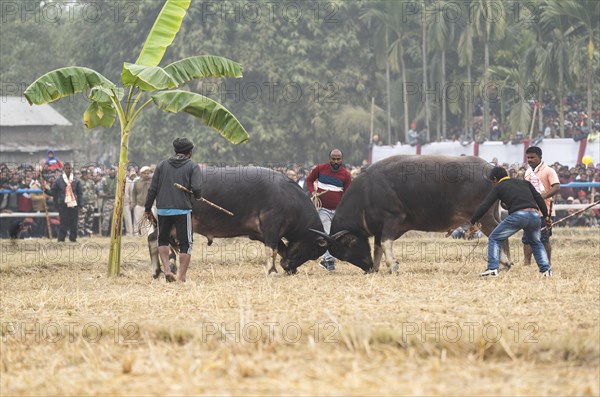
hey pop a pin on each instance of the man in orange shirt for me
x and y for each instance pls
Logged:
(546, 182)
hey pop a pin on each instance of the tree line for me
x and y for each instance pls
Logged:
(311, 69)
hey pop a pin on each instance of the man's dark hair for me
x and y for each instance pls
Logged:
(498, 173)
(534, 149)
(182, 145)
(331, 151)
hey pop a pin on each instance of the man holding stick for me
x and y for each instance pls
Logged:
(545, 180)
(522, 202)
(174, 206)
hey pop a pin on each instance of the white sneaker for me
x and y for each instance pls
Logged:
(488, 272)
(547, 273)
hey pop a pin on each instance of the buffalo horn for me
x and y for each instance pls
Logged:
(340, 234)
(324, 235)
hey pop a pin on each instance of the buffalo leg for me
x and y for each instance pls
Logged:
(391, 262)
(391, 232)
(377, 254)
(155, 260)
(270, 265)
(153, 248)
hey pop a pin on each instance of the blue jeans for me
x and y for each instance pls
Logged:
(529, 221)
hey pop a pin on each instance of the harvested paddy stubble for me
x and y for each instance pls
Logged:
(433, 329)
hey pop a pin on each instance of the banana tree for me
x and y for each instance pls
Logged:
(144, 83)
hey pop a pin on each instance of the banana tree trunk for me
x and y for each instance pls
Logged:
(114, 259)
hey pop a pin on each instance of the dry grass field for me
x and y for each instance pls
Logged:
(433, 329)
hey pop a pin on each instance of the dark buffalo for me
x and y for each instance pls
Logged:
(267, 207)
(408, 192)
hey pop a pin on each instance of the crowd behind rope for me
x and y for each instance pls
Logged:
(100, 186)
(574, 120)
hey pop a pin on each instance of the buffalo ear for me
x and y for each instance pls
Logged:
(349, 240)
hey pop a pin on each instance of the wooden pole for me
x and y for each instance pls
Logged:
(372, 118)
(573, 214)
(535, 108)
(43, 183)
(185, 189)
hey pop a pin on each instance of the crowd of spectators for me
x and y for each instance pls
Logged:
(575, 124)
(17, 179)
(33, 176)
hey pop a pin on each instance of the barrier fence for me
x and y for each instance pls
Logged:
(7, 215)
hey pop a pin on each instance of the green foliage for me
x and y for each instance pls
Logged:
(163, 32)
(64, 82)
(212, 113)
(303, 73)
(99, 114)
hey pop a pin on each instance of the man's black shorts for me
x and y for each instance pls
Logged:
(183, 226)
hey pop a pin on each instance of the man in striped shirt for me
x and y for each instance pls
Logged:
(329, 181)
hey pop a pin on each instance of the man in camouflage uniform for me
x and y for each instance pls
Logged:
(107, 191)
(139, 194)
(86, 218)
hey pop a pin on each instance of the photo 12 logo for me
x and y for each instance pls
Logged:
(490, 12)
(271, 91)
(269, 332)
(58, 11)
(255, 12)
(469, 331)
(71, 331)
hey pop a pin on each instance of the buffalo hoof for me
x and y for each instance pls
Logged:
(156, 274)
(290, 272)
(395, 268)
(170, 278)
(173, 268)
(507, 266)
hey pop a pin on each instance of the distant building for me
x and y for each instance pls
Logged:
(26, 132)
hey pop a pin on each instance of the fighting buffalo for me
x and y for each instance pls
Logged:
(408, 192)
(266, 205)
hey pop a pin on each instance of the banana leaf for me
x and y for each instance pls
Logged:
(163, 32)
(212, 113)
(146, 78)
(64, 82)
(99, 114)
(191, 68)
